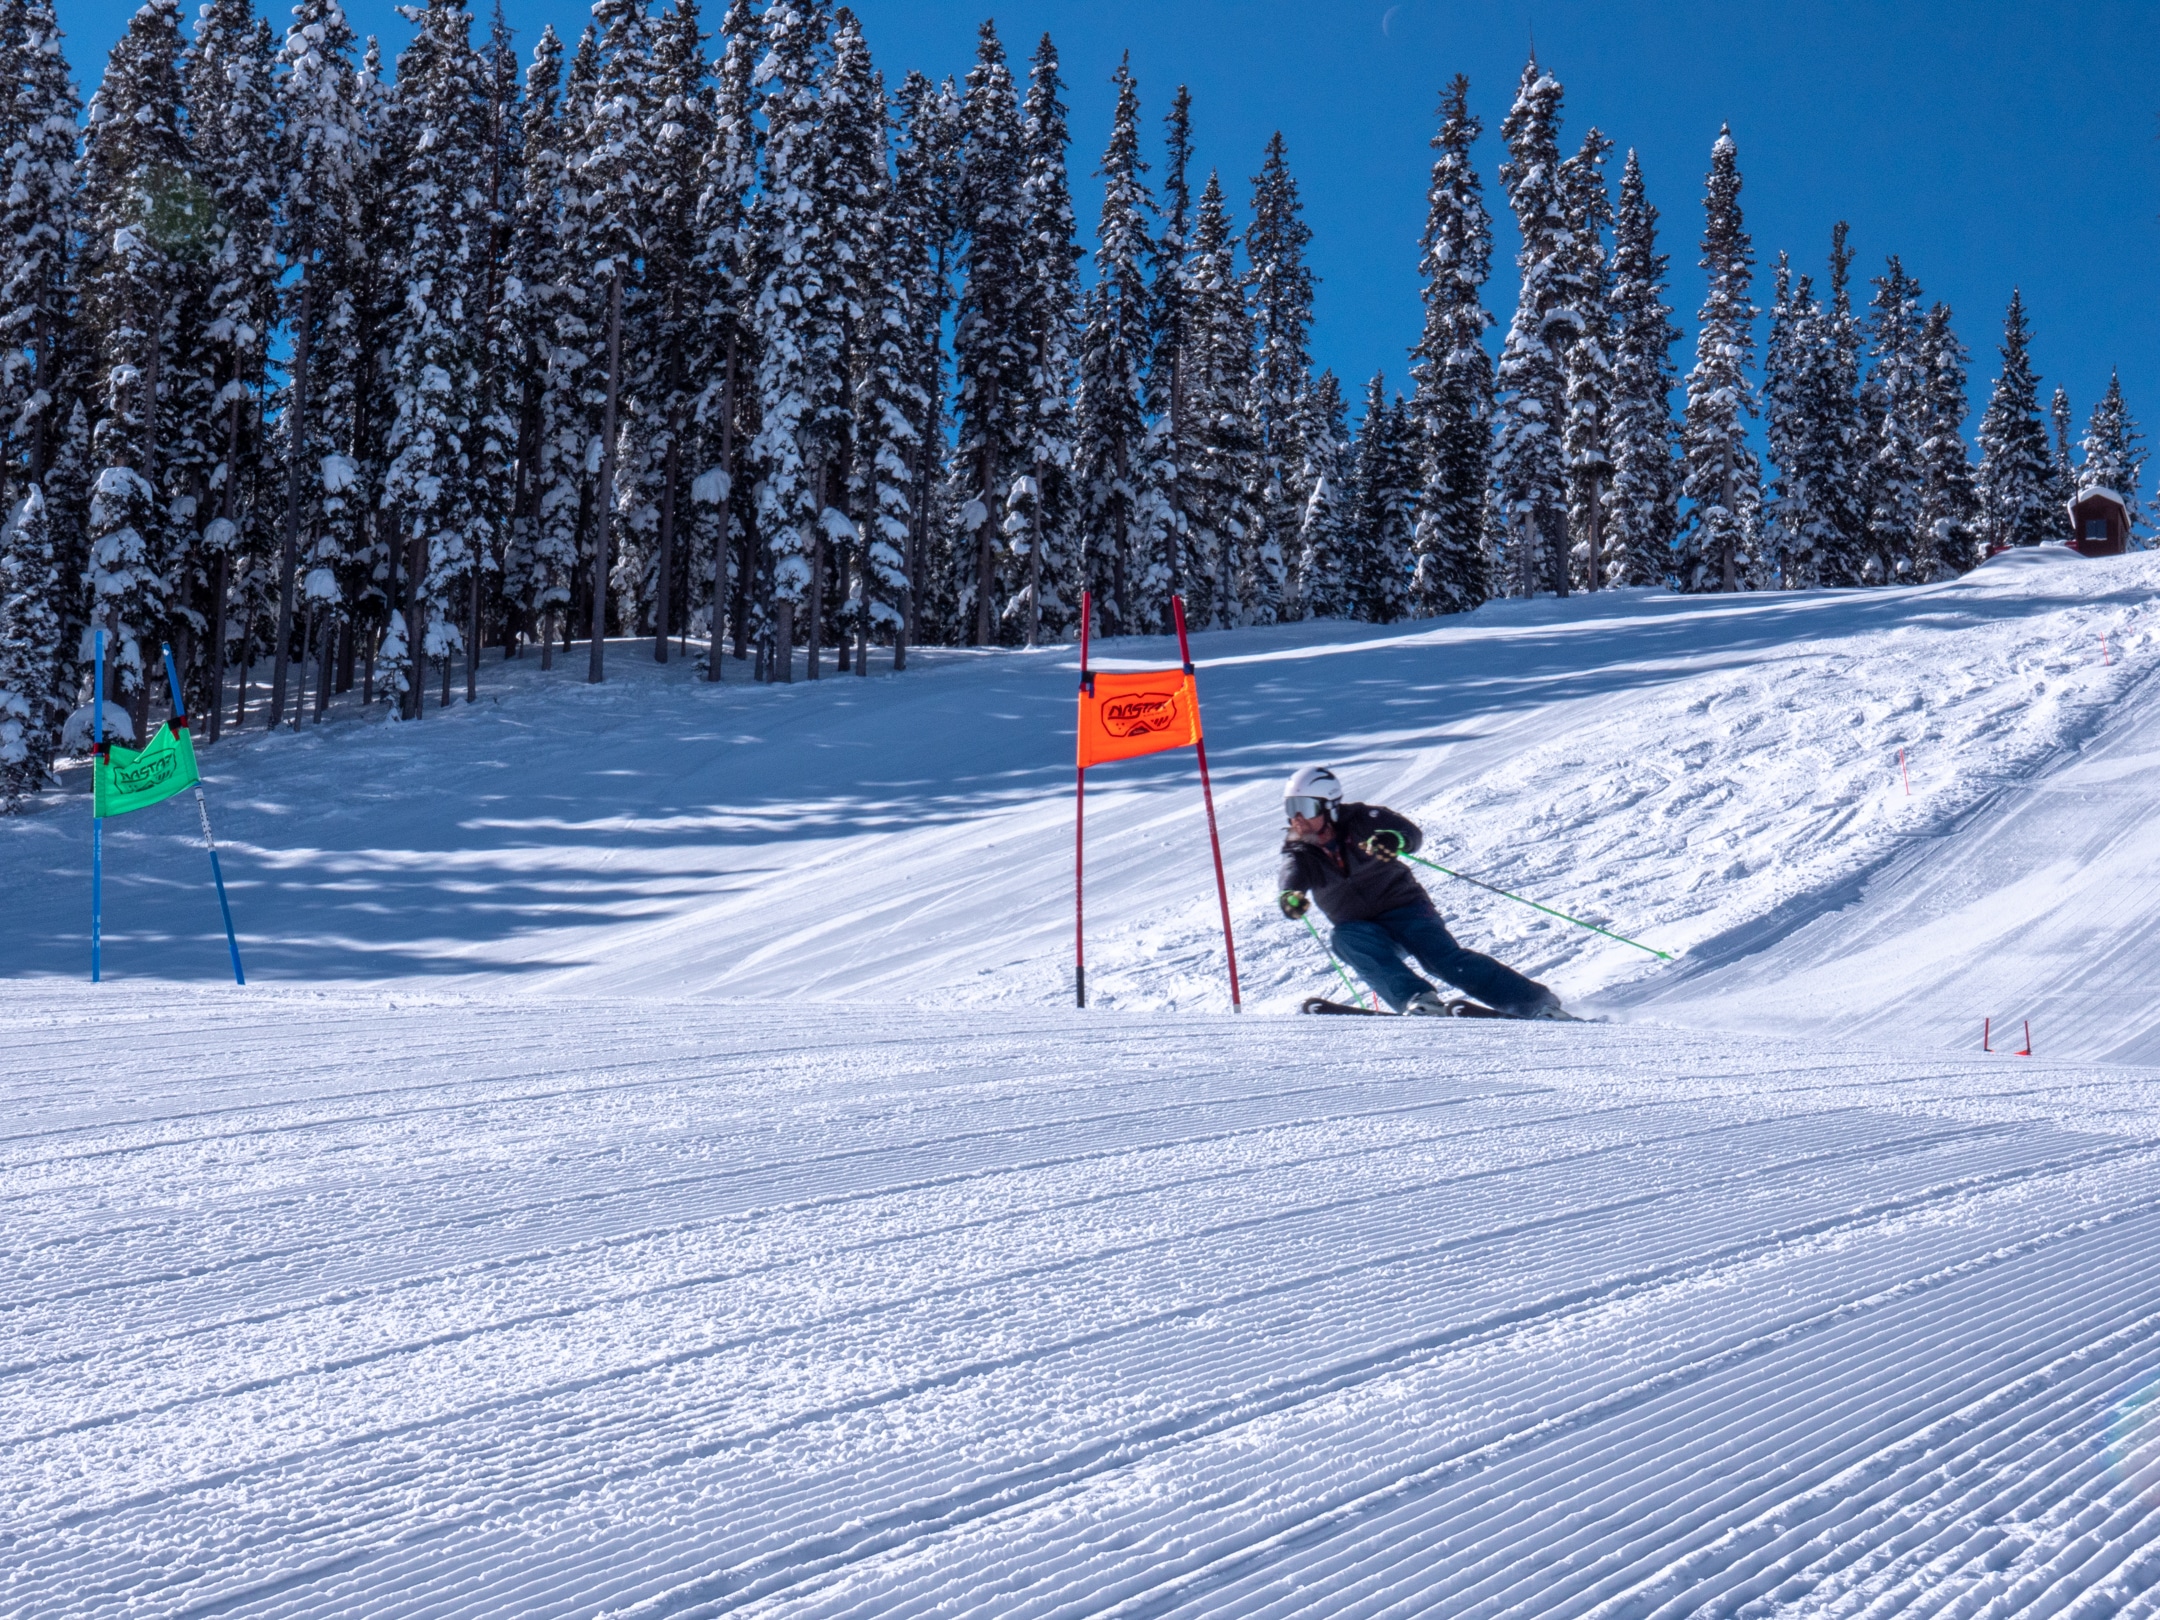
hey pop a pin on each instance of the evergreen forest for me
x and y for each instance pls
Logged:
(335, 372)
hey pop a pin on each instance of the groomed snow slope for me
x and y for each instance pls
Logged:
(464, 1308)
(654, 1170)
(1676, 769)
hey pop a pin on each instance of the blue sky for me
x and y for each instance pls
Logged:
(1990, 144)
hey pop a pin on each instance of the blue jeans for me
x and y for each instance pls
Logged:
(1376, 948)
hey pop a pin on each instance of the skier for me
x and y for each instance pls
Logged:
(1344, 856)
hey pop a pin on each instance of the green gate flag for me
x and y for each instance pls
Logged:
(130, 779)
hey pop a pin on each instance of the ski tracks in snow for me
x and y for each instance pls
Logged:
(1047, 1315)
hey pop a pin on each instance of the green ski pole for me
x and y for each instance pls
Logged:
(1337, 966)
(1534, 906)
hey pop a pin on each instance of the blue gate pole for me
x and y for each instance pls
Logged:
(202, 808)
(97, 822)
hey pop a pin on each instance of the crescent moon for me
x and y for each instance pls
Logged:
(1386, 18)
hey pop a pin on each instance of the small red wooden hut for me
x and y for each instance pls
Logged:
(2101, 522)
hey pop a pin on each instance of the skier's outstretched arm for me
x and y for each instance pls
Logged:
(1292, 881)
(1387, 821)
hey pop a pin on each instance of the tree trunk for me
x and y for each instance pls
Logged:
(814, 642)
(307, 649)
(745, 572)
(781, 667)
(717, 627)
(843, 639)
(986, 476)
(663, 605)
(1035, 559)
(472, 638)
(605, 499)
(1732, 529)
(289, 557)
(218, 591)
(415, 699)
(247, 635)
(1597, 530)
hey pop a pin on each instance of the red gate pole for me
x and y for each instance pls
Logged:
(1207, 794)
(1079, 816)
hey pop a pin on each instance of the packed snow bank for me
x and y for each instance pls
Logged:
(432, 1305)
(1678, 769)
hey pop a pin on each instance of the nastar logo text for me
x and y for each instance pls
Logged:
(1139, 713)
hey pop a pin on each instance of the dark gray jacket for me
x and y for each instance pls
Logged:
(1347, 884)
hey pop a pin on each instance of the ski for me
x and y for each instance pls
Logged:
(1460, 1008)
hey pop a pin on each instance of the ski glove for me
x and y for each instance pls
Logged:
(1385, 844)
(1294, 905)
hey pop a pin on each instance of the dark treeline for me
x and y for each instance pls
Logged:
(340, 375)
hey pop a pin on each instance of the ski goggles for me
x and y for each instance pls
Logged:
(1301, 805)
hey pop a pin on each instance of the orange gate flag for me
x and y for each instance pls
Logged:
(1127, 713)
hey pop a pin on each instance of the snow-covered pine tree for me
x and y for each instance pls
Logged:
(1328, 540)
(39, 162)
(1815, 529)
(1787, 354)
(1836, 437)
(143, 215)
(535, 568)
(30, 589)
(924, 217)
(2112, 453)
(679, 137)
(38, 111)
(798, 353)
(1717, 549)
(492, 461)
(1044, 599)
(723, 268)
(614, 182)
(363, 286)
(66, 487)
(1116, 502)
(1453, 374)
(799, 349)
(1895, 406)
(2014, 478)
(890, 413)
(853, 187)
(1384, 486)
(1281, 294)
(1166, 369)
(2063, 486)
(1643, 513)
(1587, 364)
(435, 369)
(232, 119)
(1221, 474)
(989, 340)
(1948, 507)
(1529, 468)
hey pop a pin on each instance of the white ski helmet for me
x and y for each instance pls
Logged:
(1312, 791)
